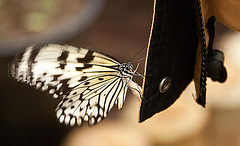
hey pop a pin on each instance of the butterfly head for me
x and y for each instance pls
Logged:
(126, 68)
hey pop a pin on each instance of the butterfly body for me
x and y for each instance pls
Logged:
(89, 82)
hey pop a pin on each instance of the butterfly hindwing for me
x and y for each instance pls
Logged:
(92, 100)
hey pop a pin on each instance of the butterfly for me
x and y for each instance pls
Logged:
(89, 82)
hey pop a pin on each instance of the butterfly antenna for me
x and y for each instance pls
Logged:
(137, 54)
(139, 64)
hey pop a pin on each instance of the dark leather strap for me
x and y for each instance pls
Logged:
(171, 55)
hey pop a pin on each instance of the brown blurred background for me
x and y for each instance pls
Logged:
(120, 30)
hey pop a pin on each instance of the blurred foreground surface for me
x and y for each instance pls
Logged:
(27, 115)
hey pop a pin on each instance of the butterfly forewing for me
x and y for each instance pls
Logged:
(89, 82)
(59, 68)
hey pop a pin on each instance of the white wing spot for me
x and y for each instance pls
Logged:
(44, 87)
(67, 119)
(51, 91)
(105, 115)
(59, 86)
(86, 118)
(39, 84)
(99, 119)
(55, 95)
(101, 112)
(91, 121)
(72, 122)
(61, 119)
(79, 121)
(59, 112)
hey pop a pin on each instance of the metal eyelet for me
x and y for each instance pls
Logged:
(164, 85)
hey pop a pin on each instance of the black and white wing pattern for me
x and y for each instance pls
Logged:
(89, 82)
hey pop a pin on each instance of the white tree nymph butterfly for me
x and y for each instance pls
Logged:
(89, 82)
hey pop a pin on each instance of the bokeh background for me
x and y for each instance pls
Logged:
(120, 29)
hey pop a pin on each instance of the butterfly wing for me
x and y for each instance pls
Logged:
(57, 69)
(92, 99)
